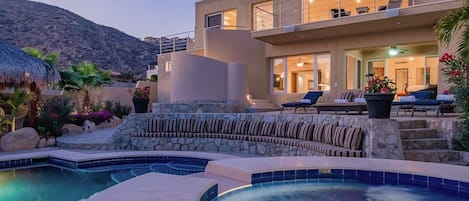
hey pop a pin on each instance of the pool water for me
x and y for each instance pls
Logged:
(52, 183)
(332, 190)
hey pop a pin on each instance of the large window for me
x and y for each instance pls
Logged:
(222, 20)
(353, 72)
(263, 16)
(300, 74)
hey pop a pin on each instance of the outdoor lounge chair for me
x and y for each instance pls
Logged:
(347, 101)
(419, 102)
(308, 101)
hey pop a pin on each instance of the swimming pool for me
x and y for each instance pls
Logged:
(332, 189)
(55, 179)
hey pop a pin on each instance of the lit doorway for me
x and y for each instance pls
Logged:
(402, 81)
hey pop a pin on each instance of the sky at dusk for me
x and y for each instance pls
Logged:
(138, 18)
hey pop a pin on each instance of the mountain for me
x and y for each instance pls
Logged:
(49, 28)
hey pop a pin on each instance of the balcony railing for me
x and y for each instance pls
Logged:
(282, 13)
(176, 42)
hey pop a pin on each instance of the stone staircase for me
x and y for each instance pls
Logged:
(261, 105)
(421, 143)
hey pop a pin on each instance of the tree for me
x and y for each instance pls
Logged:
(51, 59)
(84, 77)
(17, 102)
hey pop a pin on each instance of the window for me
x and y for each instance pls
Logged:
(353, 72)
(223, 20)
(263, 16)
(300, 74)
(168, 66)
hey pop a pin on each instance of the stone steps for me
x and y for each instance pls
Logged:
(425, 143)
(418, 133)
(433, 155)
(412, 124)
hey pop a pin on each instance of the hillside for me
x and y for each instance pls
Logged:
(48, 28)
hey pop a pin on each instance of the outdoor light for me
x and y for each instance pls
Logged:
(393, 51)
(300, 63)
(369, 77)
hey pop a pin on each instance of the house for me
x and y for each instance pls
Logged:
(276, 49)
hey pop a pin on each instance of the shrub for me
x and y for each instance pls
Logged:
(120, 110)
(53, 114)
(96, 117)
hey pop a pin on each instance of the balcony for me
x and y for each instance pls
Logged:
(347, 17)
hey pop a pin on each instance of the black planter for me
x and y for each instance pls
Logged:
(140, 105)
(379, 105)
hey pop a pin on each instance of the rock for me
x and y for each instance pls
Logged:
(115, 121)
(89, 126)
(42, 143)
(21, 139)
(71, 129)
(50, 142)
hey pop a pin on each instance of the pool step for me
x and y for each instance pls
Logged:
(119, 176)
(425, 143)
(418, 133)
(433, 155)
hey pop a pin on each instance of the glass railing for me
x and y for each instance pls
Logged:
(282, 13)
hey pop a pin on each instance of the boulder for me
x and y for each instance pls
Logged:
(115, 121)
(42, 143)
(50, 142)
(21, 139)
(89, 126)
(71, 129)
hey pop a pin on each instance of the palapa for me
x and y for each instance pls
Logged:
(20, 69)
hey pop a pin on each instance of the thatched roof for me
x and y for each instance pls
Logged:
(19, 68)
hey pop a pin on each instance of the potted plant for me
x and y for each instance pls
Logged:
(379, 96)
(140, 98)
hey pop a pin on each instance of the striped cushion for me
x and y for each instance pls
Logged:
(280, 129)
(346, 95)
(338, 136)
(353, 138)
(214, 125)
(199, 126)
(170, 125)
(254, 127)
(228, 126)
(306, 131)
(292, 130)
(155, 125)
(185, 125)
(317, 133)
(327, 133)
(241, 127)
(267, 128)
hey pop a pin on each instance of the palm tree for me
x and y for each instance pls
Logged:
(84, 77)
(51, 59)
(17, 102)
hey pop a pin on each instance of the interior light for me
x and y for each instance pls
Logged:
(358, 1)
(411, 58)
(300, 63)
(393, 51)
(281, 75)
(226, 17)
(311, 1)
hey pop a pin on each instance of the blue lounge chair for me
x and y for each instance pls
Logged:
(422, 103)
(408, 106)
(311, 95)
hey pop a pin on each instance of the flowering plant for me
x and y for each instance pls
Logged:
(455, 70)
(377, 85)
(140, 93)
(53, 114)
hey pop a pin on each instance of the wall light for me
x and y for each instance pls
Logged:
(393, 51)
(358, 1)
(300, 63)
(311, 1)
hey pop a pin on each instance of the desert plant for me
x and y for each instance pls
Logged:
(120, 111)
(4, 124)
(17, 102)
(53, 114)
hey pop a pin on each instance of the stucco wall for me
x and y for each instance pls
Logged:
(196, 78)
(239, 47)
(237, 87)
(164, 79)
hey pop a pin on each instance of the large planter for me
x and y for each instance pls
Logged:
(140, 105)
(379, 105)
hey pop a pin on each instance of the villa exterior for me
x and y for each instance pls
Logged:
(278, 48)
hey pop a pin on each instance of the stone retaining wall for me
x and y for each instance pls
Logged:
(381, 137)
(195, 108)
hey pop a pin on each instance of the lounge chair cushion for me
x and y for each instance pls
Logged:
(421, 95)
(407, 99)
(306, 131)
(228, 126)
(341, 101)
(445, 97)
(308, 101)
(214, 125)
(199, 126)
(353, 138)
(292, 130)
(359, 100)
(317, 133)
(280, 129)
(347, 95)
(267, 128)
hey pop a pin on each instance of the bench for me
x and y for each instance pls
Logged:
(326, 140)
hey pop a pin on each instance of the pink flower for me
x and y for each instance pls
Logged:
(53, 115)
(384, 90)
(446, 57)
